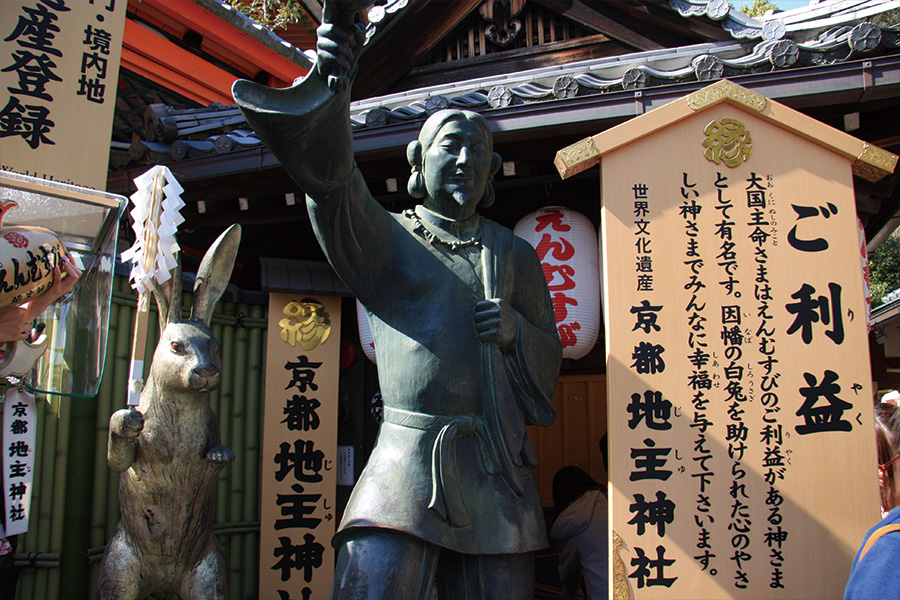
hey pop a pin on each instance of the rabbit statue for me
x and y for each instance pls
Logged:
(169, 453)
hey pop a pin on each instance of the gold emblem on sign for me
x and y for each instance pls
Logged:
(305, 323)
(727, 141)
(620, 579)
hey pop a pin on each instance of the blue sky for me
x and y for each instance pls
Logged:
(789, 4)
(781, 4)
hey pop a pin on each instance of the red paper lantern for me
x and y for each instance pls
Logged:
(566, 244)
(348, 354)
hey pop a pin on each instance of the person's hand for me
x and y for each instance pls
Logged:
(62, 285)
(496, 322)
(15, 321)
(14, 324)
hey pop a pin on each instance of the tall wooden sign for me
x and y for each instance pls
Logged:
(59, 67)
(299, 450)
(742, 452)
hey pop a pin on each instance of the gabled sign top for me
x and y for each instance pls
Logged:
(869, 162)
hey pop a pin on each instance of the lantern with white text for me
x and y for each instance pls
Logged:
(365, 334)
(566, 244)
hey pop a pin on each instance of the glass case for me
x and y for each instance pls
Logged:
(85, 222)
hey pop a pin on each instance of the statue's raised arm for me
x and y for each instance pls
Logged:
(307, 126)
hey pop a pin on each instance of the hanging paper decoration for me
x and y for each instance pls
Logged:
(156, 218)
(566, 244)
(365, 334)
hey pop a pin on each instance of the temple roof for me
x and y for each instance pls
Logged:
(568, 69)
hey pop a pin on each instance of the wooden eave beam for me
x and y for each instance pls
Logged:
(591, 47)
(583, 14)
(171, 27)
(412, 35)
(153, 56)
(661, 17)
(239, 44)
(179, 84)
(313, 9)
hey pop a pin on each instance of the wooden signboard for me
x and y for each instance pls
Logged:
(59, 68)
(741, 434)
(299, 449)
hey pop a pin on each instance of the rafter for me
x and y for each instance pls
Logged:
(410, 37)
(582, 13)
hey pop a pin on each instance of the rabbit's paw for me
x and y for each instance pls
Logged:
(127, 423)
(220, 455)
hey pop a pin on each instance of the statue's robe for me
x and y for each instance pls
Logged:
(452, 464)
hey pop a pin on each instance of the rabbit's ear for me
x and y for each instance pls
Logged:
(168, 296)
(160, 293)
(214, 273)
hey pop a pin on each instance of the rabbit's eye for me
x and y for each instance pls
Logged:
(177, 347)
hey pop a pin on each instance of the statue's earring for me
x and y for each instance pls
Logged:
(489, 195)
(416, 185)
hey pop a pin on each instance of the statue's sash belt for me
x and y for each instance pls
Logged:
(446, 492)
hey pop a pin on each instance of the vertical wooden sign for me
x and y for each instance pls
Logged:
(299, 450)
(59, 66)
(741, 419)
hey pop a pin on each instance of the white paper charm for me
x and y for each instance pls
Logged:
(19, 428)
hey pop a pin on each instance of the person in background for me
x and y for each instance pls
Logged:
(581, 531)
(875, 573)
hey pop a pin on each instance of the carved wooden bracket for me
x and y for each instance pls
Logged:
(503, 28)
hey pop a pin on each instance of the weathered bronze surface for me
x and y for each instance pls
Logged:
(468, 351)
(169, 454)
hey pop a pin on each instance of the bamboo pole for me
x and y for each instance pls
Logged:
(228, 417)
(119, 384)
(60, 480)
(218, 405)
(48, 481)
(117, 357)
(116, 353)
(242, 416)
(236, 417)
(76, 521)
(253, 392)
(115, 384)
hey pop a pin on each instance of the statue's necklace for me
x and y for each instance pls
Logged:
(432, 238)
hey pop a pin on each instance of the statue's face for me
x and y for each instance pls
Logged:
(456, 168)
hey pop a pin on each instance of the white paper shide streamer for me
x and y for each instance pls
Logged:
(156, 216)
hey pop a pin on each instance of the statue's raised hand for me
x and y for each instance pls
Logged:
(339, 43)
(496, 322)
